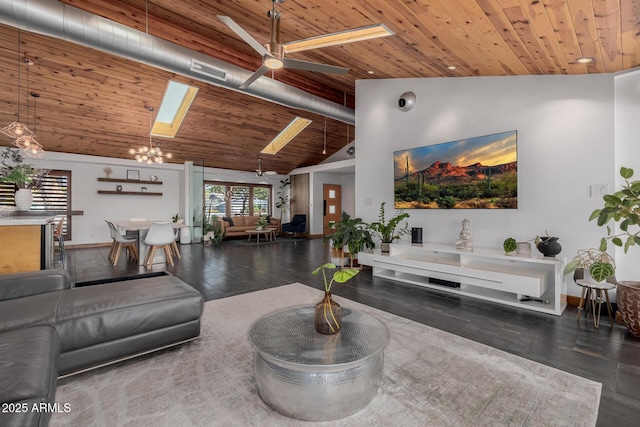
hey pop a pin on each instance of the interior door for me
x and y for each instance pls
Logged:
(331, 205)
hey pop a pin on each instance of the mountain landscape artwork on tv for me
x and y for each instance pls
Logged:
(474, 173)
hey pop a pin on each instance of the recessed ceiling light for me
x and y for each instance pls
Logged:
(371, 72)
(585, 60)
(451, 67)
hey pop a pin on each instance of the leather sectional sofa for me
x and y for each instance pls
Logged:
(49, 329)
(237, 225)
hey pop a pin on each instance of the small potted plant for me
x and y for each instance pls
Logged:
(389, 231)
(595, 263)
(350, 233)
(261, 223)
(24, 176)
(328, 313)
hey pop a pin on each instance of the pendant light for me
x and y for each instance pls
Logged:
(28, 142)
(17, 129)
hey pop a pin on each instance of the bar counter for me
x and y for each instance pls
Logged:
(26, 242)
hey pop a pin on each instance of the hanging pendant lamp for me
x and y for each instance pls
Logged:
(17, 129)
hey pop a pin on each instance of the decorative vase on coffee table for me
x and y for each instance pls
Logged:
(327, 315)
(23, 199)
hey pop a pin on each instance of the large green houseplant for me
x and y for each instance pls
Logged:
(350, 233)
(623, 208)
(389, 231)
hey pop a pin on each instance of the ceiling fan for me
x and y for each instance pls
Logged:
(273, 52)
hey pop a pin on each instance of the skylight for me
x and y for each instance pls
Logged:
(175, 104)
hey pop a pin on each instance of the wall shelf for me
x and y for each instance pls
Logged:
(130, 181)
(130, 193)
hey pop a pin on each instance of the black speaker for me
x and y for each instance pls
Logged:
(416, 236)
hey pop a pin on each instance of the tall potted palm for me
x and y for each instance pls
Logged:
(389, 231)
(623, 208)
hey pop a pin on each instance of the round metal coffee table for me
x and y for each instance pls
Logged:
(305, 375)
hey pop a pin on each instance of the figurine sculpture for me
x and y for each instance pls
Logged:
(465, 242)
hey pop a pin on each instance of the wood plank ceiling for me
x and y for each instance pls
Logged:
(95, 103)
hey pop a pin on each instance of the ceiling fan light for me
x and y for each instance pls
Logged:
(273, 63)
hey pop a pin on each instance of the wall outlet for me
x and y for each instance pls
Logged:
(598, 190)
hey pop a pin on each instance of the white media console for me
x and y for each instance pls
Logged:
(534, 283)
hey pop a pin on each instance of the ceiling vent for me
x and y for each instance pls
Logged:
(208, 70)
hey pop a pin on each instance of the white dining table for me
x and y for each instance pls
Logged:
(142, 227)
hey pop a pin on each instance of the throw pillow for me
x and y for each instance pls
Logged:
(228, 219)
(268, 218)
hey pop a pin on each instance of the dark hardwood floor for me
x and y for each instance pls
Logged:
(609, 355)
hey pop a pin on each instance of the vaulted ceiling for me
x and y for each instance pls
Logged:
(93, 102)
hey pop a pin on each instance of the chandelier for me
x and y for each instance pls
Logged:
(150, 154)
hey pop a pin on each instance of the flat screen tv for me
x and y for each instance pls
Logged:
(473, 173)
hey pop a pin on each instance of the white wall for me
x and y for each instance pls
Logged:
(627, 125)
(565, 130)
(85, 170)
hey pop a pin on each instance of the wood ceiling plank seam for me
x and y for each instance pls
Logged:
(522, 25)
(630, 29)
(462, 13)
(584, 22)
(504, 27)
(562, 24)
(608, 27)
(420, 43)
(457, 49)
(541, 25)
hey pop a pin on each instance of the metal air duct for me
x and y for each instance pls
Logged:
(55, 19)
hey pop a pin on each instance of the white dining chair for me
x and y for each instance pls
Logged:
(174, 244)
(120, 242)
(161, 236)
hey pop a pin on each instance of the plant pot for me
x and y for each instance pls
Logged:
(523, 248)
(23, 199)
(327, 315)
(549, 246)
(628, 299)
(260, 228)
(384, 247)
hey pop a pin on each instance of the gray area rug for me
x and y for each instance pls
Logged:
(431, 378)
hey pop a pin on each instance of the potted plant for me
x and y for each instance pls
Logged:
(283, 198)
(598, 264)
(352, 233)
(261, 223)
(389, 231)
(24, 176)
(623, 208)
(547, 245)
(328, 313)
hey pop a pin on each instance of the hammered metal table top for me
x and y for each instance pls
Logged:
(289, 335)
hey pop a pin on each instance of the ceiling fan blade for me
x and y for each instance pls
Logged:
(259, 72)
(248, 38)
(296, 64)
(347, 36)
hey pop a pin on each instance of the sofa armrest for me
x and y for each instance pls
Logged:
(275, 222)
(17, 285)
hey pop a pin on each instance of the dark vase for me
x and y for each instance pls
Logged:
(549, 246)
(328, 315)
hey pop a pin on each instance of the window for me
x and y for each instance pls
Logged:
(53, 195)
(226, 199)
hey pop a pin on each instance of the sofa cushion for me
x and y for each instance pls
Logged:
(95, 314)
(28, 374)
(250, 221)
(238, 221)
(35, 310)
